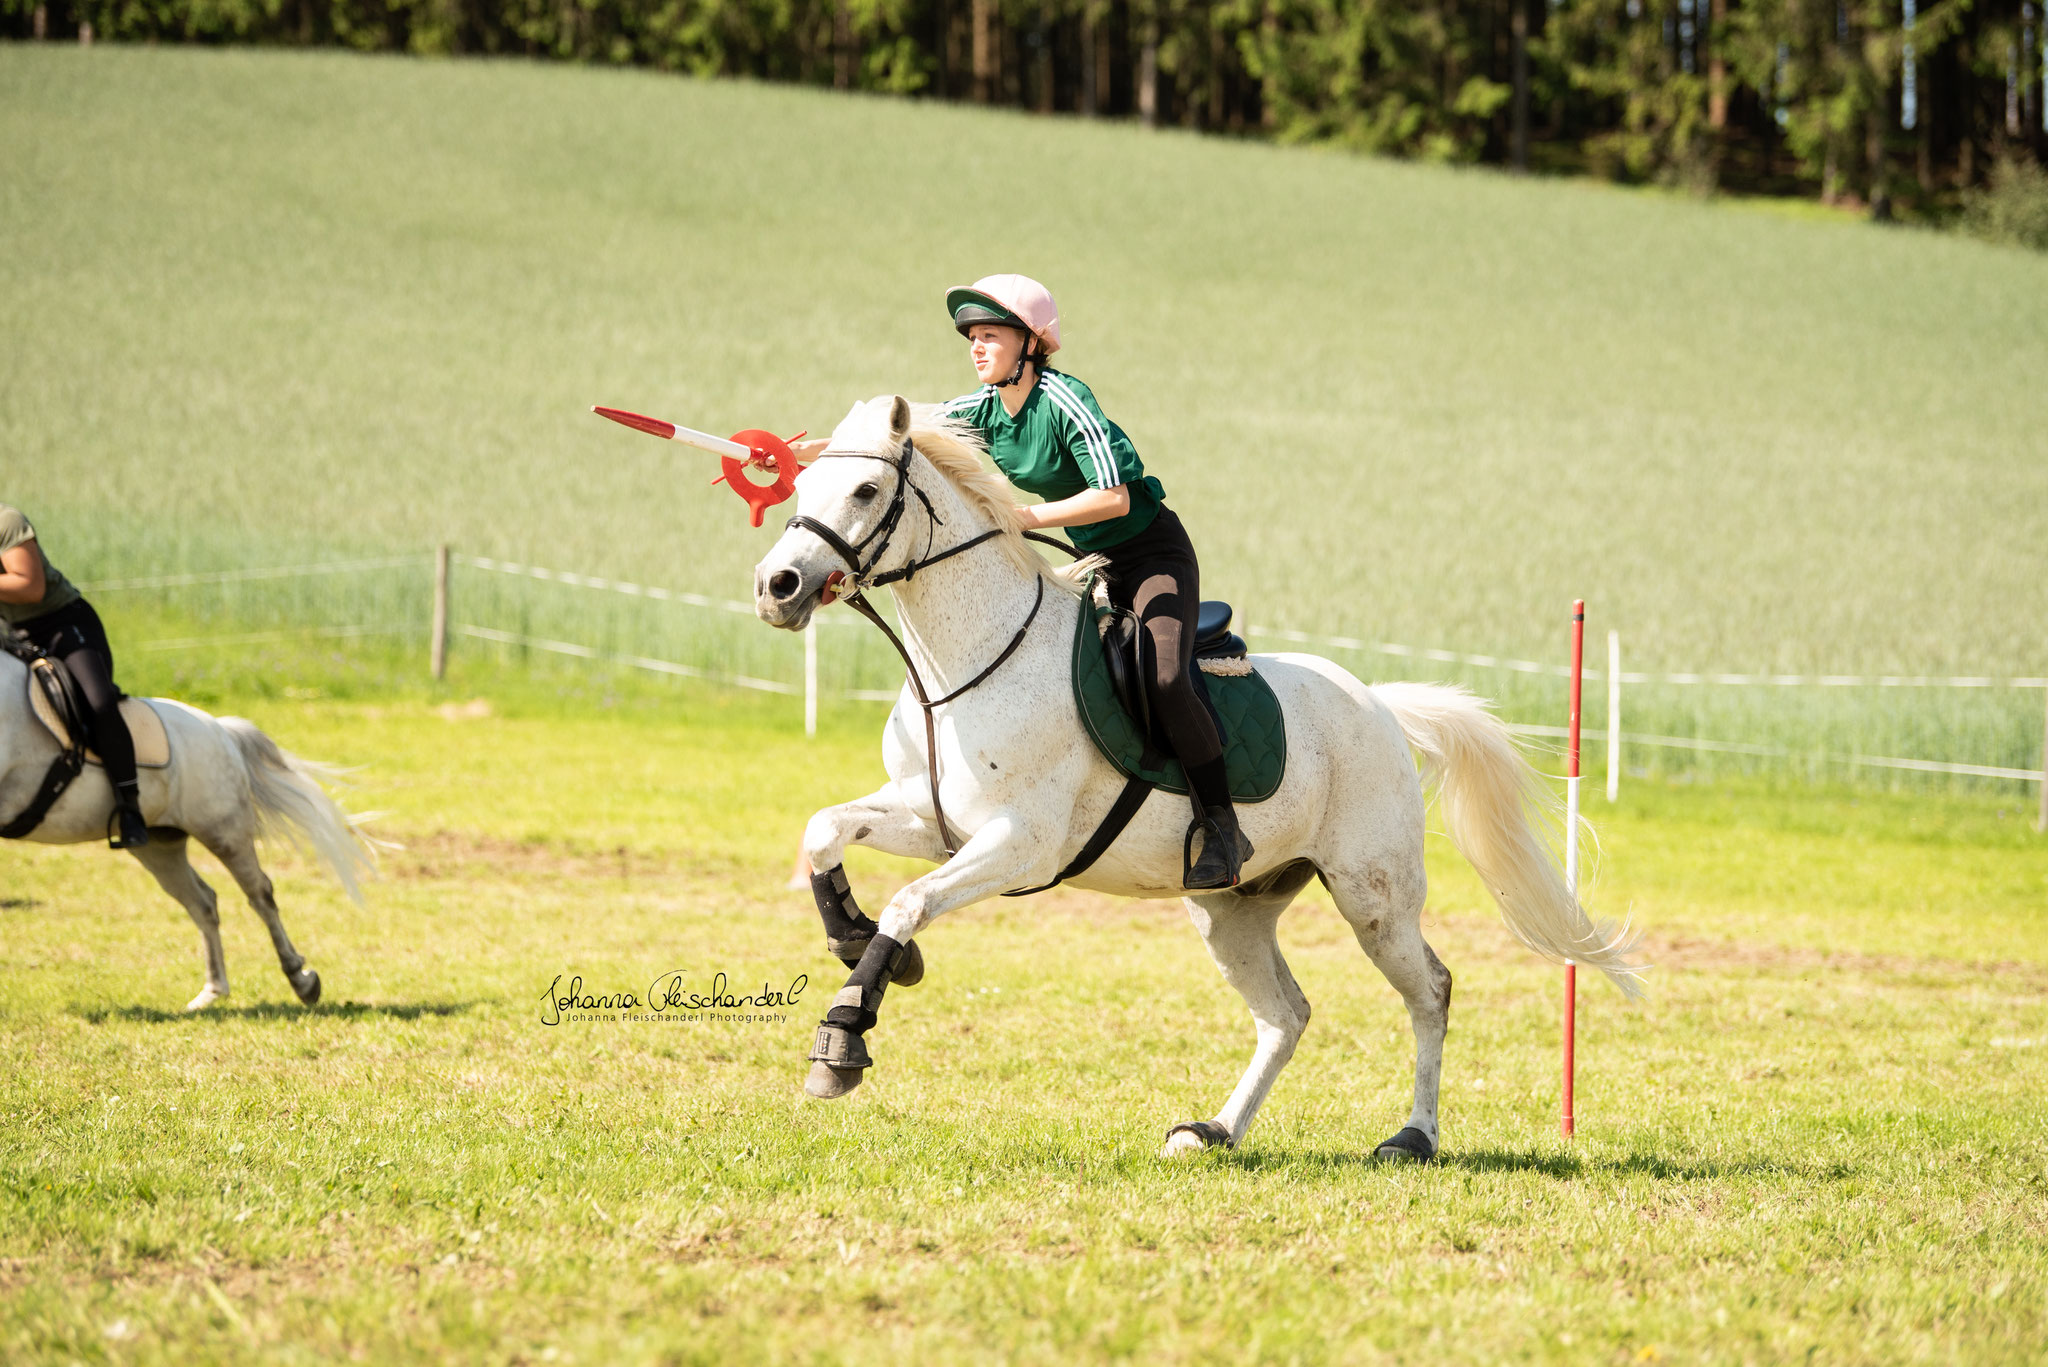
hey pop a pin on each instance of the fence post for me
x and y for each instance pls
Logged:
(440, 643)
(2042, 825)
(1613, 716)
(811, 676)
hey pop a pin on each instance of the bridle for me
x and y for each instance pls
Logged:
(860, 578)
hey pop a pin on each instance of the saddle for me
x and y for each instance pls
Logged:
(1112, 656)
(58, 705)
(54, 701)
(1108, 671)
(1127, 651)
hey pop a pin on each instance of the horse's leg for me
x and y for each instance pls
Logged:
(164, 857)
(1384, 908)
(1240, 929)
(882, 820)
(239, 854)
(1000, 855)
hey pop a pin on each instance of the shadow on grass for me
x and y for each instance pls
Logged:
(1561, 1166)
(1568, 1165)
(260, 1011)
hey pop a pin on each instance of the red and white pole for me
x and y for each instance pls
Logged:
(1567, 1121)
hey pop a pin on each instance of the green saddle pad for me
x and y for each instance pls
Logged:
(1255, 734)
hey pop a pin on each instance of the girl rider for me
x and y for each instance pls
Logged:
(39, 603)
(1047, 434)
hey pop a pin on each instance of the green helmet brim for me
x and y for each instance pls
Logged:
(970, 307)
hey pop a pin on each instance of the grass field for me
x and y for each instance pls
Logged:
(1818, 1140)
(266, 306)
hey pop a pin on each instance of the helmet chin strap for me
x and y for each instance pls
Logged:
(1024, 358)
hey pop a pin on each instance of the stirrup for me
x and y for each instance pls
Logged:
(119, 837)
(1222, 860)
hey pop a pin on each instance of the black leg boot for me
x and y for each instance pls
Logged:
(1225, 848)
(848, 929)
(127, 830)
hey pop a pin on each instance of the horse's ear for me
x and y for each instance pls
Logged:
(899, 419)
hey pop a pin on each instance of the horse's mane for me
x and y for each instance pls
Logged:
(955, 450)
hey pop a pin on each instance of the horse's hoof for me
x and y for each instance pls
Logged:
(1194, 1136)
(827, 1083)
(207, 997)
(1409, 1146)
(306, 983)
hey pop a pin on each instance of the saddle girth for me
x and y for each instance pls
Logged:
(55, 681)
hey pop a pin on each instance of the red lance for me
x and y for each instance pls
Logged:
(751, 448)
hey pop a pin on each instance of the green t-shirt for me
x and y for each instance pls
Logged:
(57, 590)
(1059, 444)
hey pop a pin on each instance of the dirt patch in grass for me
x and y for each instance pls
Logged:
(450, 854)
(1700, 954)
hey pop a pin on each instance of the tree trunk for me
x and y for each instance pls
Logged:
(984, 51)
(842, 46)
(39, 24)
(1965, 102)
(1048, 56)
(1269, 29)
(1217, 54)
(1087, 72)
(1717, 68)
(1148, 75)
(1877, 156)
(1923, 118)
(1519, 21)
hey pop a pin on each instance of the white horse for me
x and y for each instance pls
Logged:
(226, 784)
(1024, 787)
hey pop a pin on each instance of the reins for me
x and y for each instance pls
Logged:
(850, 552)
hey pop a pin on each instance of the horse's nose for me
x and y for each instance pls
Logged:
(783, 584)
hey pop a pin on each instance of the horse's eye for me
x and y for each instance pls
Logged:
(866, 492)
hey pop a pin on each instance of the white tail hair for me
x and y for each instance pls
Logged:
(1508, 823)
(289, 801)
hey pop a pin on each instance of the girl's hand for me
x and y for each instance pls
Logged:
(807, 451)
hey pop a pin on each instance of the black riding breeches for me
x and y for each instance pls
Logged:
(1154, 574)
(74, 635)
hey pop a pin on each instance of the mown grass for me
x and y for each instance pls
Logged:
(1818, 1140)
(267, 306)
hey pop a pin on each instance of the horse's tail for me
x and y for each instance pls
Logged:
(1506, 820)
(289, 801)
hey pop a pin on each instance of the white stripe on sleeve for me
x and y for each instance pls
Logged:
(1093, 439)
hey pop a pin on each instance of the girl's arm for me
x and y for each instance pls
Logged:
(21, 574)
(1090, 505)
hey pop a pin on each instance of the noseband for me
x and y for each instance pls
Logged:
(851, 553)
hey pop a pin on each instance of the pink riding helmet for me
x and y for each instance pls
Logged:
(1013, 300)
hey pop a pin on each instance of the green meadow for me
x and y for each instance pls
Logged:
(264, 308)
(1819, 1138)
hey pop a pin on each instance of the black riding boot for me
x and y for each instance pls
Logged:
(1225, 848)
(127, 830)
